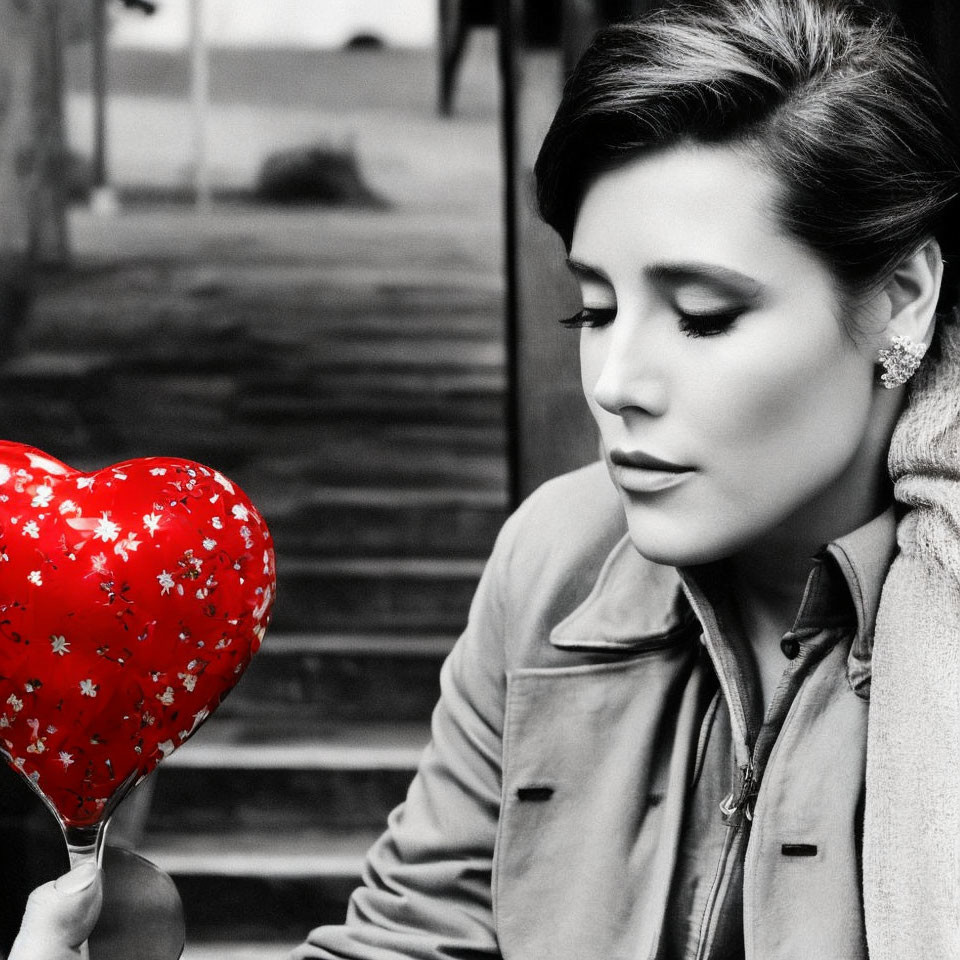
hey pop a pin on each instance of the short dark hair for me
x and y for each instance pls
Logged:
(831, 96)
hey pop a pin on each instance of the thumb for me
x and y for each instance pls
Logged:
(60, 916)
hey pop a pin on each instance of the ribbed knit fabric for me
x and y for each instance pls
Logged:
(911, 844)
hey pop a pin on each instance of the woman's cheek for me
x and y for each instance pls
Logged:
(788, 429)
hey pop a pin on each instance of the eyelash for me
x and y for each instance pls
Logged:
(707, 324)
(588, 318)
(691, 324)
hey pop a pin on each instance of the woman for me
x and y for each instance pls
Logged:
(652, 736)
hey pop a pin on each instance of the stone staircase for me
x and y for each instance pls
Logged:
(362, 411)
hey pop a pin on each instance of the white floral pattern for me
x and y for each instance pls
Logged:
(42, 496)
(106, 530)
(60, 645)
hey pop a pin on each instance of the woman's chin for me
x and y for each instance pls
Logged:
(680, 543)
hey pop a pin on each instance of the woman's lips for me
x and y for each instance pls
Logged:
(639, 472)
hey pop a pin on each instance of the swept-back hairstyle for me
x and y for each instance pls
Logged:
(829, 96)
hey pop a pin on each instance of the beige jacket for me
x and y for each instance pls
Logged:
(544, 819)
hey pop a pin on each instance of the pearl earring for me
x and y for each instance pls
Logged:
(900, 361)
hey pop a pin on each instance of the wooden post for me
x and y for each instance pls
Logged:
(99, 44)
(16, 156)
(451, 35)
(49, 245)
(200, 94)
(551, 430)
(16, 121)
(508, 61)
(103, 198)
(581, 19)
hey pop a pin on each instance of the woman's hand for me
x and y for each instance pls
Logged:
(60, 916)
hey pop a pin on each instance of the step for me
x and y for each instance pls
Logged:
(45, 401)
(379, 594)
(382, 521)
(210, 416)
(152, 341)
(407, 459)
(157, 289)
(240, 773)
(107, 383)
(232, 950)
(375, 404)
(263, 884)
(257, 744)
(408, 455)
(403, 466)
(305, 378)
(294, 389)
(341, 678)
(337, 452)
(55, 368)
(217, 408)
(402, 351)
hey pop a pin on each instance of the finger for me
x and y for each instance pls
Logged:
(60, 916)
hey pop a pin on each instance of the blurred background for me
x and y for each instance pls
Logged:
(296, 241)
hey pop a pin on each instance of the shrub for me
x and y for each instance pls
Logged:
(315, 175)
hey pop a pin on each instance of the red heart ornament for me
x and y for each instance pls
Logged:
(131, 601)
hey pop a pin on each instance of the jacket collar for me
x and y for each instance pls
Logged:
(636, 604)
(864, 557)
(633, 604)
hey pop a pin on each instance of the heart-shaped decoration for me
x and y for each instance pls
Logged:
(131, 601)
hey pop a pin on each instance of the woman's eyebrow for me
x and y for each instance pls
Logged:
(731, 280)
(585, 271)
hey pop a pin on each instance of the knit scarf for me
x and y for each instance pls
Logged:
(911, 843)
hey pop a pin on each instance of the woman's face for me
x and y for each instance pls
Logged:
(736, 411)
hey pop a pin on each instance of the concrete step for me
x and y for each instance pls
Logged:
(306, 378)
(307, 344)
(373, 404)
(226, 400)
(406, 456)
(298, 391)
(263, 885)
(383, 521)
(412, 459)
(348, 678)
(240, 774)
(147, 306)
(381, 594)
(231, 950)
(413, 454)
(173, 415)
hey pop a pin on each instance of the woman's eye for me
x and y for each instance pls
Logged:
(590, 317)
(708, 324)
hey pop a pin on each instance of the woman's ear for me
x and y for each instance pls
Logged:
(912, 293)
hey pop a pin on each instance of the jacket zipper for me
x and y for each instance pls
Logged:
(736, 807)
(739, 803)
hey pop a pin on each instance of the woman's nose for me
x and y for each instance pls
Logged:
(629, 377)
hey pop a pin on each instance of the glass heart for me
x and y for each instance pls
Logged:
(131, 601)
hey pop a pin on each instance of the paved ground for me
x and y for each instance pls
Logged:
(381, 103)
